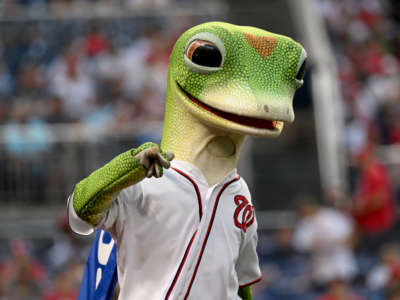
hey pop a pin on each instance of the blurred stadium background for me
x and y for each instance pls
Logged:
(83, 80)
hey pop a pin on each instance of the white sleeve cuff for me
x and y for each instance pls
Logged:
(77, 224)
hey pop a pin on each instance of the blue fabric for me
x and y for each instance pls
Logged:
(108, 273)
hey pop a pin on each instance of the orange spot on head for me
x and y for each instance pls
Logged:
(264, 45)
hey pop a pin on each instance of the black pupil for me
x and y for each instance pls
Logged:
(207, 55)
(302, 71)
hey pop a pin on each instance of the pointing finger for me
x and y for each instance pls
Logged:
(169, 155)
(164, 162)
(150, 171)
(158, 169)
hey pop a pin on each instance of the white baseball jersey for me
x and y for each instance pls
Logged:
(179, 238)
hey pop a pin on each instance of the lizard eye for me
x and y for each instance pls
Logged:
(204, 53)
(302, 71)
(301, 68)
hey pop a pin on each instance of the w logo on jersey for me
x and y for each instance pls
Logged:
(244, 213)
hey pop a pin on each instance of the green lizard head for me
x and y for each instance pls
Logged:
(236, 78)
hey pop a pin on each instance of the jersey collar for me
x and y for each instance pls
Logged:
(196, 173)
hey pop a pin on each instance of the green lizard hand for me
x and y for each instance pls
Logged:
(245, 293)
(94, 195)
(154, 161)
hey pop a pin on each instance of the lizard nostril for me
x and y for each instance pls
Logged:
(266, 108)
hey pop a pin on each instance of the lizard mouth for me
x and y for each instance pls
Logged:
(243, 120)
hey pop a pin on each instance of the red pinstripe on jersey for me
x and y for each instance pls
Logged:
(195, 187)
(208, 233)
(183, 261)
(180, 267)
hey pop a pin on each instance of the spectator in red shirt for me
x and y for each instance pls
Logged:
(374, 205)
(96, 42)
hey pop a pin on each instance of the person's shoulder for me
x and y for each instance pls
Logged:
(169, 180)
(244, 187)
(329, 211)
(333, 213)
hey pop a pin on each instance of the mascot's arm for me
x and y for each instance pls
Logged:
(245, 293)
(94, 195)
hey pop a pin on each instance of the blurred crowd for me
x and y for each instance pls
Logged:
(349, 249)
(152, 3)
(343, 249)
(51, 271)
(331, 253)
(101, 75)
(91, 77)
(365, 35)
(58, 7)
(105, 77)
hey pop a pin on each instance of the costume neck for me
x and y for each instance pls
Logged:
(214, 151)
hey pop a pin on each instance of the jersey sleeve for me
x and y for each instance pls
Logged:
(114, 219)
(247, 266)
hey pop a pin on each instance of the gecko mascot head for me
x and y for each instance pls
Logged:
(227, 80)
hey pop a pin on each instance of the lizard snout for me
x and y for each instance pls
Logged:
(280, 112)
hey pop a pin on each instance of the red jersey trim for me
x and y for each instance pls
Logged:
(195, 187)
(208, 233)
(252, 282)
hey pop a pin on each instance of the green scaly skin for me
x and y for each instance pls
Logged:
(257, 79)
(94, 194)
